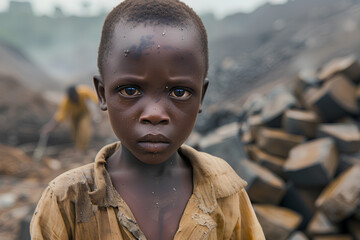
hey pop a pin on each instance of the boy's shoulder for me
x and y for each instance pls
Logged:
(207, 169)
(73, 181)
(215, 171)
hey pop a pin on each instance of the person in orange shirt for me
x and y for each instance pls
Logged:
(74, 107)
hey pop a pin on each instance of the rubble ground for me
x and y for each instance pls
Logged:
(22, 181)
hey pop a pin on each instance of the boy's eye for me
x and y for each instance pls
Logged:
(180, 93)
(129, 91)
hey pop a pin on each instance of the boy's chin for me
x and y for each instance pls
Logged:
(155, 157)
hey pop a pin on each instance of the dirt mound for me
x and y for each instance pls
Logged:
(22, 112)
(13, 161)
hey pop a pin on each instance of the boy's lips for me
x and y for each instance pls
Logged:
(154, 138)
(154, 143)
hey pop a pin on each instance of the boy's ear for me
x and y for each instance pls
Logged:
(100, 90)
(205, 87)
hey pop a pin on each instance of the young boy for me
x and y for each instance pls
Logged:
(153, 60)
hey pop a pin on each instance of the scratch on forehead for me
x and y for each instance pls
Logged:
(146, 42)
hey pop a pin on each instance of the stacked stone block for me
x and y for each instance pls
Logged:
(302, 150)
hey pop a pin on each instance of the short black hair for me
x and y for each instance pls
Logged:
(158, 12)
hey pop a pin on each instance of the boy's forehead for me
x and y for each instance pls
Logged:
(143, 36)
(179, 48)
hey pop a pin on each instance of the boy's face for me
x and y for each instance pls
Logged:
(153, 84)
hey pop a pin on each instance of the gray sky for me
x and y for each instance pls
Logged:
(219, 7)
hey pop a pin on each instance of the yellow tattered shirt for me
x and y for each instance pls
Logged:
(83, 204)
(70, 109)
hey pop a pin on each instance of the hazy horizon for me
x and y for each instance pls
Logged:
(93, 7)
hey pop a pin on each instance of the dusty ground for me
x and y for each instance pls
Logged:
(23, 179)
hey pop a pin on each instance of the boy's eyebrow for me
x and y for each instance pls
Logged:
(187, 80)
(183, 78)
(129, 78)
(134, 79)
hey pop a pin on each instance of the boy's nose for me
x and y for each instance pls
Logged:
(154, 114)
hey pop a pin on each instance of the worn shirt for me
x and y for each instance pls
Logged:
(70, 109)
(83, 204)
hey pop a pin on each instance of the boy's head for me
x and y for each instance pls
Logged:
(156, 12)
(153, 62)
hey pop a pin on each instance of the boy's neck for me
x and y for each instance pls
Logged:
(156, 194)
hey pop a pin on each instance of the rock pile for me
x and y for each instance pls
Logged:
(23, 111)
(301, 154)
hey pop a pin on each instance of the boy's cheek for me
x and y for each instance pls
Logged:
(114, 101)
(187, 108)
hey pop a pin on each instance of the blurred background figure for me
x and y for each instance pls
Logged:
(74, 108)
